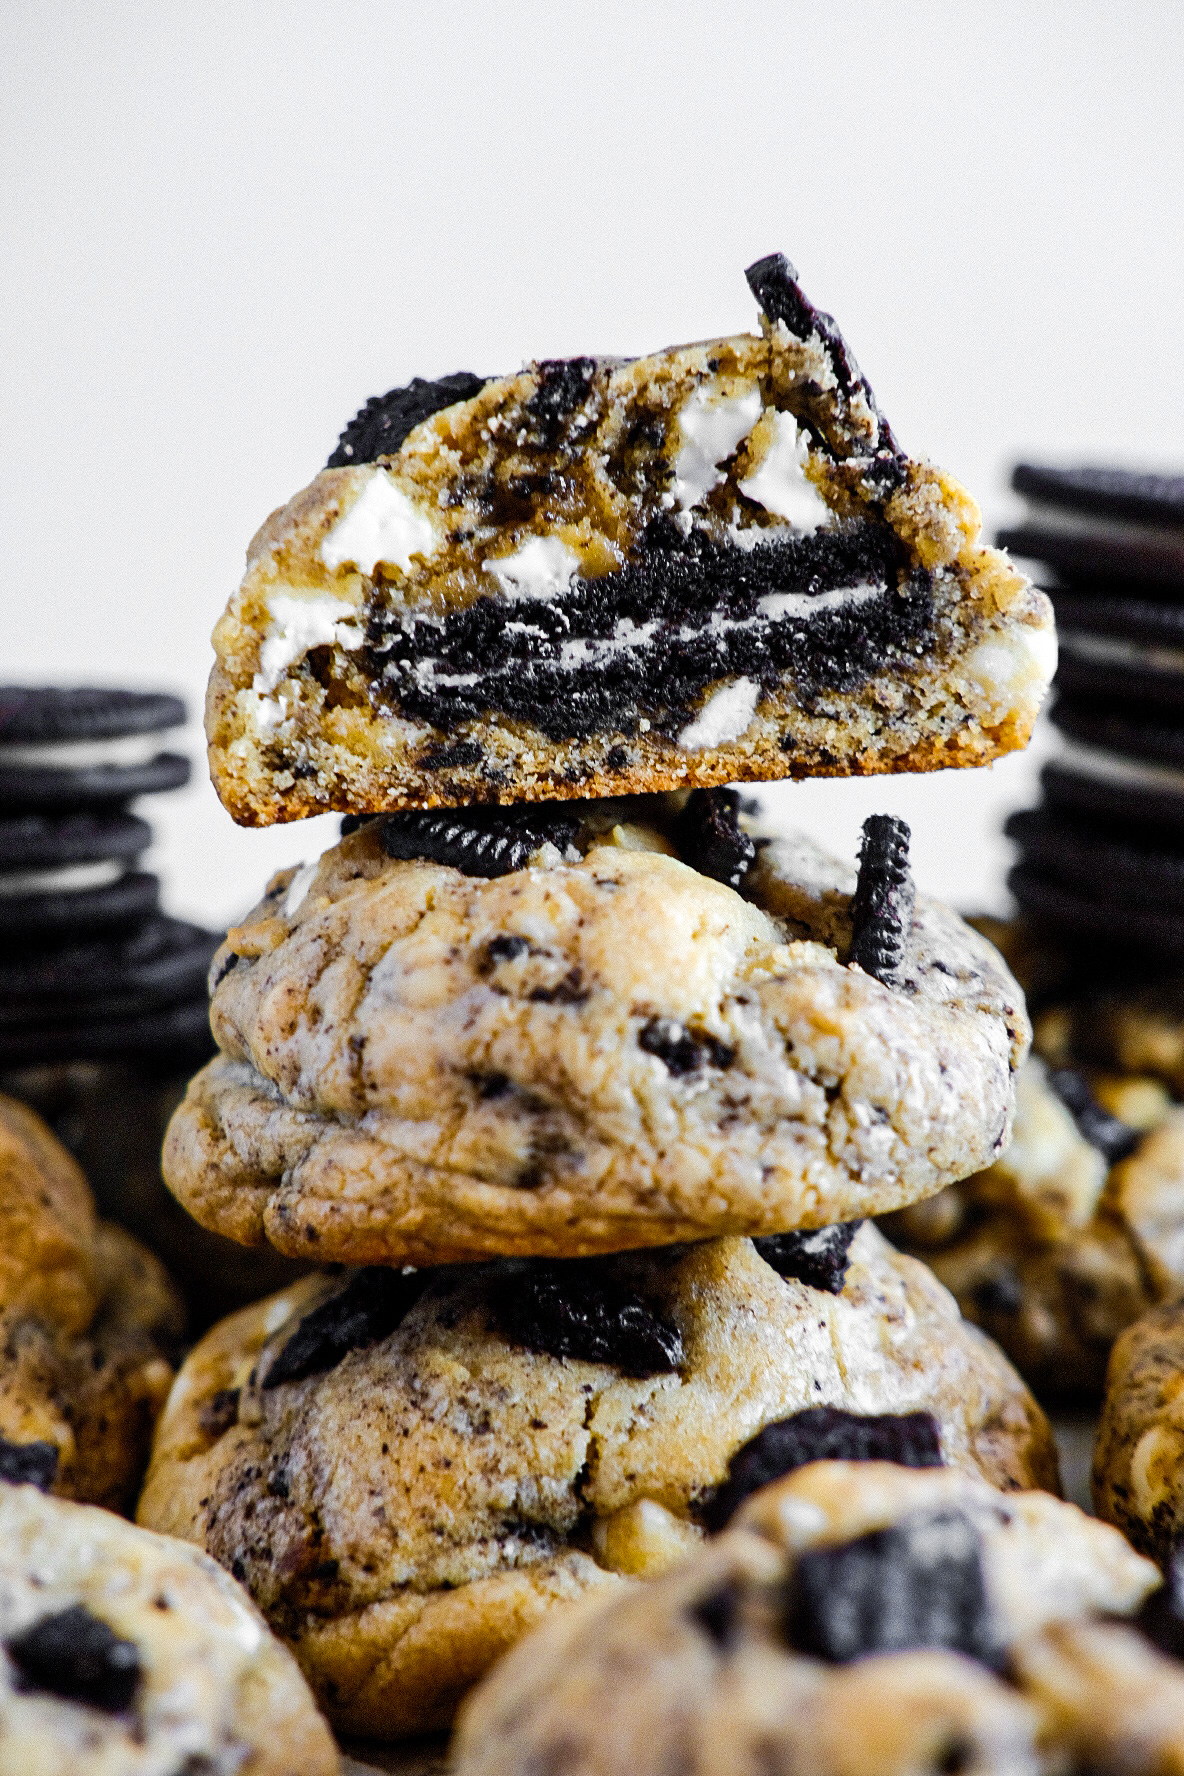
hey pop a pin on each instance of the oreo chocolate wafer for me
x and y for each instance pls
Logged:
(82, 747)
(72, 872)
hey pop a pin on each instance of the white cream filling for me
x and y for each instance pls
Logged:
(70, 877)
(1090, 526)
(298, 624)
(712, 429)
(1109, 650)
(1108, 767)
(381, 525)
(725, 716)
(128, 749)
(544, 567)
(298, 888)
(803, 604)
(780, 482)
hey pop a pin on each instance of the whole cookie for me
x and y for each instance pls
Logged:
(1138, 1473)
(754, 1654)
(408, 1469)
(603, 1048)
(128, 1654)
(89, 1322)
(1072, 1234)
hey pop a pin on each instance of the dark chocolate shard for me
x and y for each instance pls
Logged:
(574, 1308)
(1115, 1140)
(710, 838)
(918, 1583)
(73, 1654)
(29, 1464)
(819, 1257)
(478, 841)
(882, 906)
(718, 1614)
(383, 423)
(824, 1433)
(1161, 1618)
(774, 283)
(370, 1306)
(683, 1051)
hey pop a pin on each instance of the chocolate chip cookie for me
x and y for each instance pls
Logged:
(407, 1469)
(1138, 1474)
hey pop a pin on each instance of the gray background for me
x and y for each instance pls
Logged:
(225, 225)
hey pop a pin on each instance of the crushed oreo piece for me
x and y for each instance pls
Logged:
(445, 758)
(918, 1583)
(882, 906)
(718, 1614)
(73, 1654)
(220, 1412)
(1161, 1618)
(710, 838)
(29, 1464)
(506, 947)
(1113, 1139)
(573, 1308)
(369, 1307)
(480, 841)
(683, 1051)
(383, 423)
(823, 1433)
(350, 823)
(563, 385)
(229, 964)
(818, 1258)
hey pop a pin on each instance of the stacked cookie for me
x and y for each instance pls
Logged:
(1102, 858)
(589, 1080)
(90, 968)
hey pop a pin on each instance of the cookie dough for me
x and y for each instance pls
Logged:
(89, 1322)
(603, 1048)
(129, 1654)
(599, 576)
(1072, 1233)
(408, 1469)
(1138, 1471)
(754, 1654)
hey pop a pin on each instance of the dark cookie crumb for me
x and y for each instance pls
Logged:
(383, 423)
(710, 838)
(220, 1412)
(369, 1307)
(352, 823)
(478, 841)
(506, 947)
(616, 758)
(461, 752)
(718, 1614)
(29, 1464)
(572, 1308)
(818, 1258)
(1161, 1618)
(683, 1051)
(1114, 1140)
(227, 967)
(73, 1654)
(918, 1583)
(823, 1433)
(882, 906)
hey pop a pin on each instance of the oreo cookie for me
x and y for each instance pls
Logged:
(71, 871)
(70, 909)
(1108, 725)
(380, 427)
(75, 1655)
(481, 841)
(370, 1307)
(79, 748)
(882, 907)
(575, 1308)
(168, 1036)
(1109, 923)
(1132, 495)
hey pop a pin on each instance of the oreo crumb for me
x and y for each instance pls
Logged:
(818, 1258)
(823, 1433)
(882, 906)
(73, 1654)
(507, 947)
(918, 1583)
(29, 1464)
(478, 841)
(572, 1308)
(351, 823)
(231, 963)
(710, 838)
(220, 1412)
(1161, 1618)
(683, 1051)
(616, 758)
(368, 1308)
(1113, 1139)
(461, 752)
(718, 1614)
(383, 423)
(563, 386)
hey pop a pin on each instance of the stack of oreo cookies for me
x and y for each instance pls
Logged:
(1102, 857)
(90, 967)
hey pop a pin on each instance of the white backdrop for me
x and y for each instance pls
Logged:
(224, 226)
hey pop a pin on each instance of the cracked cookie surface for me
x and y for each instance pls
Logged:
(593, 1052)
(407, 1511)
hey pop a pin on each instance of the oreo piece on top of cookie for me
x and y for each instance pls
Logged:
(85, 747)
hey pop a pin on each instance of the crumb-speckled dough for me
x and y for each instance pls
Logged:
(420, 1066)
(1053, 1251)
(89, 1322)
(215, 1693)
(697, 1671)
(706, 565)
(406, 1515)
(1138, 1470)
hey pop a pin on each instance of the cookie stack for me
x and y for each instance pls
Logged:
(1102, 859)
(588, 1079)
